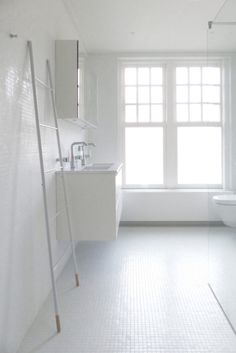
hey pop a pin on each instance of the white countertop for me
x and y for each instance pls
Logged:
(97, 168)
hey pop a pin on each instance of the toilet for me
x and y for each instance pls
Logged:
(226, 207)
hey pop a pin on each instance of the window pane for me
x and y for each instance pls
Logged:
(182, 94)
(181, 75)
(195, 112)
(130, 113)
(130, 95)
(144, 113)
(194, 75)
(211, 94)
(143, 95)
(182, 112)
(144, 155)
(211, 75)
(199, 155)
(211, 112)
(195, 94)
(130, 76)
(156, 76)
(157, 113)
(143, 76)
(156, 95)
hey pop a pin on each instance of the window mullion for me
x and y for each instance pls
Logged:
(170, 147)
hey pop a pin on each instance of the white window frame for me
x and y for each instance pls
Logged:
(130, 64)
(170, 123)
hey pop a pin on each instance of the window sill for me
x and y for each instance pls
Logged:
(149, 190)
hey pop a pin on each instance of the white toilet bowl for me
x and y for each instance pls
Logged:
(226, 206)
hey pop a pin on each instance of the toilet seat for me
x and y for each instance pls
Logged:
(227, 199)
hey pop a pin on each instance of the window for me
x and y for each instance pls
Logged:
(198, 94)
(172, 125)
(144, 125)
(199, 128)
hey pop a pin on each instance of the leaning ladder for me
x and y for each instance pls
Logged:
(35, 80)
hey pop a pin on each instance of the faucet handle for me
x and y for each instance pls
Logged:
(91, 144)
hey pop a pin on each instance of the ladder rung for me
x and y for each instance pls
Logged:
(50, 171)
(59, 213)
(49, 126)
(43, 83)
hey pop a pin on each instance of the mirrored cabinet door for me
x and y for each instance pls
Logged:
(76, 84)
(67, 75)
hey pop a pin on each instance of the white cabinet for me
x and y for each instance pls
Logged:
(76, 84)
(95, 200)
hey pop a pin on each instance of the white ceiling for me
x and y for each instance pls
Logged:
(151, 25)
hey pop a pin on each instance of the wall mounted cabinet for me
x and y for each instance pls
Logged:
(76, 85)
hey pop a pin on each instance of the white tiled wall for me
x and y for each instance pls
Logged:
(24, 270)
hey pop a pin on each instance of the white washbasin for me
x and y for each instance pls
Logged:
(98, 166)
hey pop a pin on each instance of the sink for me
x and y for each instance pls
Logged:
(98, 166)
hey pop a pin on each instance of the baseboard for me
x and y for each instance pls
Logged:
(170, 223)
(59, 266)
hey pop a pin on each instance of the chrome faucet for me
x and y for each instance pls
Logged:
(80, 146)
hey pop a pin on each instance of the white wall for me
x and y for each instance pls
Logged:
(233, 120)
(24, 269)
(140, 205)
(168, 206)
(106, 136)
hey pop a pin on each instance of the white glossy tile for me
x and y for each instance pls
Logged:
(24, 270)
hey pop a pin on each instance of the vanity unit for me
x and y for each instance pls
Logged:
(95, 202)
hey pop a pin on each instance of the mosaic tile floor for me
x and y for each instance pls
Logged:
(144, 293)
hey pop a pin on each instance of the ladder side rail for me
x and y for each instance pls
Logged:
(54, 289)
(62, 175)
